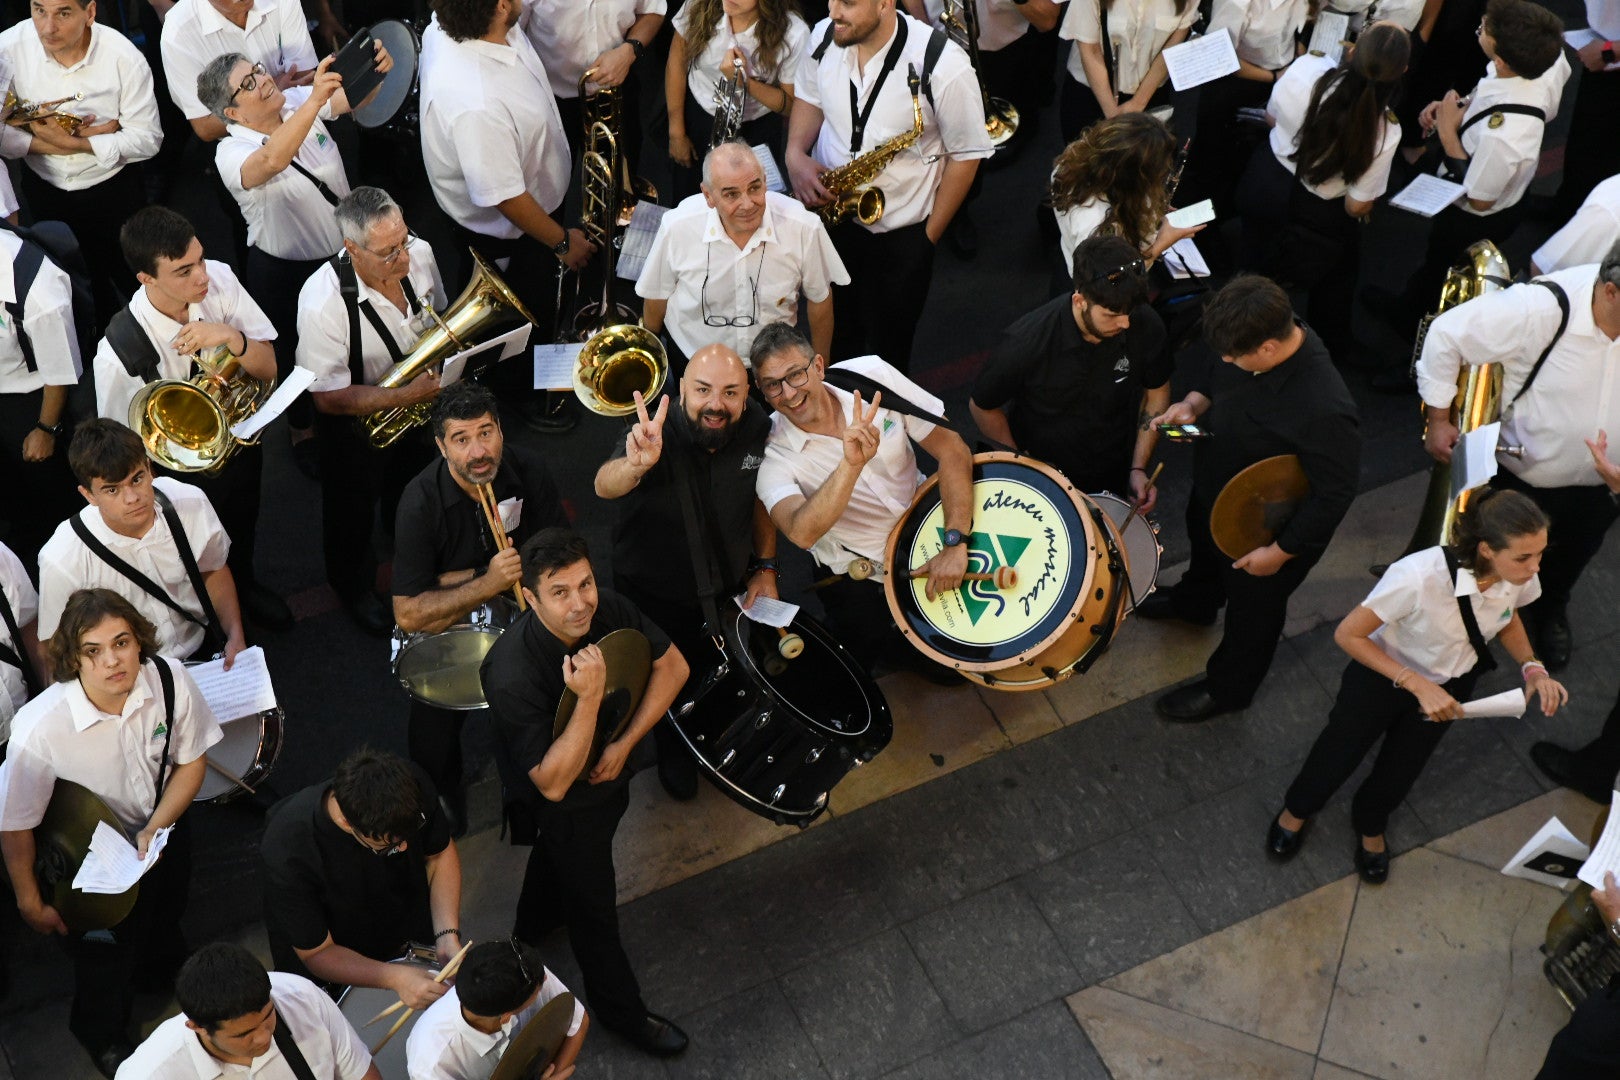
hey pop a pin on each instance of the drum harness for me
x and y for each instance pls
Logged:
(14, 654)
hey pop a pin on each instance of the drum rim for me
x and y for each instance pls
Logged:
(744, 661)
(362, 115)
(1133, 598)
(891, 581)
(259, 769)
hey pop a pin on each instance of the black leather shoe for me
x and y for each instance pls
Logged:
(1162, 605)
(371, 614)
(109, 1059)
(1553, 640)
(453, 804)
(1373, 866)
(656, 1036)
(1563, 767)
(1283, 844)
(1191, 704)
(678, 773)
(267, 610)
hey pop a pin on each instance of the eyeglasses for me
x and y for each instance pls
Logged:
(396, 251)
(1130, 271)
(795, 378)
(251, 80)
(753, 283)
(517, 951)
(391, 849)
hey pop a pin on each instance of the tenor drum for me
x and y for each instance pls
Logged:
(359, 1004)
(1142, 547)
(388, 107)
(442, 669)
(242, 760)
(776, 734)
(1059, 616)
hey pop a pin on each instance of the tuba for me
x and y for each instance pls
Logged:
(20, 113)
(486, 308)
(730, 98)
(1581, 956)
(850, 184)
(960, 21)
(186, 423)
(1480, 270)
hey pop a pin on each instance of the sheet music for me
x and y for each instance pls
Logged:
(296, 382)
(1606, 856)
(638, 238)
(112, 865)
(511, 513)
(1427, 195)
(774, 180)
(554, 365)
(768, 612)
(1509, 703)
(1200, 60)
(1473, 459)
(245, 690)
(1184, 260)
(1332, 28)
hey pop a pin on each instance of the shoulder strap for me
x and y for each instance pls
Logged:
(821, 49)
(15, 654)
(183, 544)
(349, 289)
(936, 47)
(24, 269)
(166, 677)
(320, 185)
(1487, 662)
(146, 584)
(132, 347)
(289, 1050)
(698, 542)
(1563, 324)
(1508, 107)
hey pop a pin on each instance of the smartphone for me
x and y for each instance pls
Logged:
(1188, 216)
(1184, 431)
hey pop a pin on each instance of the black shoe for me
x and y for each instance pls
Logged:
(306, 455)
(1283, 844)
(371, 614)
(111, 1057)
(1553, 640)
(1162, 605)
(678, 773)
(453, 804)
(1191, 704)
(1563, 767)
(1393, 380)
(655, 1035)
(267, 610)
(1373, 866)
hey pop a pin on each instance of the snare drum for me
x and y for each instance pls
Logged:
(358, 1004)
(1142, 547)
(245, 755)
(442, 669)
(1069, 596)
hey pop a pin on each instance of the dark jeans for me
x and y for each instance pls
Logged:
(41, 493)
(433, 736)
(1588, 1047)
(570, 882)
(357, 480)
(234, 494)
(95, 214)
(1368, 707)
(889, 276)
(1581, 517)
(274, 285)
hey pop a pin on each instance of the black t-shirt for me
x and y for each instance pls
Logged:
(1299, 407)
(319, 880)
(651, 552)
(523, 681)
(439, 528)
(1072, 402)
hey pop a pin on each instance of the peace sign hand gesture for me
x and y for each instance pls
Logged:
(861, 436)
(645, 441)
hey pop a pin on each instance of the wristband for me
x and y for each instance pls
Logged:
(456, 930)
(1607, 52)
(1138, 468)
(636, 47)
(756, 565)
(1399, 681)
(53, 432)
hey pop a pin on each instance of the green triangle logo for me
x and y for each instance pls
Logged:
(986, 554)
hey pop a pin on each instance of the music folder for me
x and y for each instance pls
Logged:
(357, 63)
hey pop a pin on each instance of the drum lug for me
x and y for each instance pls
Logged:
(730, 755)
(813, 757)
(685, 708)
(776, 796)
(762, 720)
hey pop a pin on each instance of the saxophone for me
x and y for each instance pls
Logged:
(850, 183)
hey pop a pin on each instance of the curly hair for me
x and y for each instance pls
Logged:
(771, 60)
(464, 20)
(1125, 160)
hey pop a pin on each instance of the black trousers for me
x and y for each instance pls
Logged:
(570, 881)
(147, 942)
(357, 480)
(1222, 144)
(879, 309)
(768, 129)
(1588, 1047)
(1591, 154)
(861, 620)
(1368, 707)
(1451, 232)
(234, 493)
(433, 738)
(41, 493)
(526, 265)
(95, 214)
(1256, 609)
(1581, 517)
(274, 284)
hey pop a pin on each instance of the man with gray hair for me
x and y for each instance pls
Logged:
(358, 316)
(735, 257)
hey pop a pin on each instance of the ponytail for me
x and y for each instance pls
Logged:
(1343, 127)
(1495, 518)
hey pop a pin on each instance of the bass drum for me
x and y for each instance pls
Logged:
(1142, 547)
(1069, 597)
(359, 1004)
(776, 734)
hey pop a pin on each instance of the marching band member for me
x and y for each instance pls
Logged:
(566, 806)
(1417, 647)
(1590, 154)
(155, 542)
(720, 434)
(500, 987)
(1587, 236)
(1117, 63)
(838, 474)
(852, 95)
(359, 315)
(273, 33)
(446, 562)
(21, 658)
(90, 179)
(1017, 50)
(356, 868)
(608, 37)
(1082, 374)
(39, 363)
(1560, 363)
(728, 261)
(187, 306)
(1274, 390)
(234, 1013)
(131, 726)
(1588, 1047)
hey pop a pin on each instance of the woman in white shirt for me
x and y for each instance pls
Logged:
(1116, 65)
(1417, 646)
(760, 39)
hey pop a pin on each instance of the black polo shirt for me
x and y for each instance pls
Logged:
(651, 551)
(523, 681)
(1302, 407)
(1069, 401)
(439, 528)
(319, 880)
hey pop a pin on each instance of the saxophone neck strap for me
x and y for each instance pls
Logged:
(858, 115)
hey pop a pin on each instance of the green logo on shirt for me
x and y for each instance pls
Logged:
(320, 140)
(888, 422)
(161, 730)
(986, 554)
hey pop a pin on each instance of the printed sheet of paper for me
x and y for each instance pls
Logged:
(1200, 60)
(1332, 28)
(1553, 856)
(1473, 459)
(1509, 703)
(489, 353)
(112, 865)
(1427, 195)
(1606, 856)
(554, 365)
(638, 238)
(1184, 260)
(296, 382)
(768, 612)
(245, 690)
(774, 179)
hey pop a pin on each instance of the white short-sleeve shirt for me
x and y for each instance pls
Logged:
(1077, 223)
(287, 216)
(227, 302)
(694, 265)
(570, 34)
(323, 322)
(798, 462)
(1138, 30)
(24, 601)
(47, 319)
(490, 129)
(330, 1046)
(1001, 22)
(276, 35)
(60, 735)
(702, 77)
(1604, 17)
(1423, 627)
(443, 1046)
(1291, 99)
(1589, 235)
(1262, 30)
(66, 564)
(116, 83)
(1502, 157)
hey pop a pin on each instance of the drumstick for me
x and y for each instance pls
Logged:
(492, 514)
(449, 970)
(212, 764)
(1136, 510)
(1004, 577)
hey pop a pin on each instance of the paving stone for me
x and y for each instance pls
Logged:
(1043, 1044)
(1471, 775)
(1138, 1040)
(753, 1035)
(991, 956)
(686, 956)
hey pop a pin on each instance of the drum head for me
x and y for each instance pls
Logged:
(232, 756)
(442, 669)
(402, 44)
(359, 1004)
(532, 1049)
(1141, 546)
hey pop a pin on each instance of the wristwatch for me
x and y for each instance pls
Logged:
(560, 248)
(54, 432)
(636, 47)
(1607, 52)
(954, 537)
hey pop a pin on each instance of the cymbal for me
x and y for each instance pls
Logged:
(536, 1045)
(61, 841)
(1256, 504)
(628, 654)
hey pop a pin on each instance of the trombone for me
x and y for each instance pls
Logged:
(960, 21)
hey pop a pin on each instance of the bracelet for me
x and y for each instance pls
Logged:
(636, 47)
(1399, 681)
(1138, 468)
(1532, 662)
(1530, 669)
(456, 930)
(54, 432)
